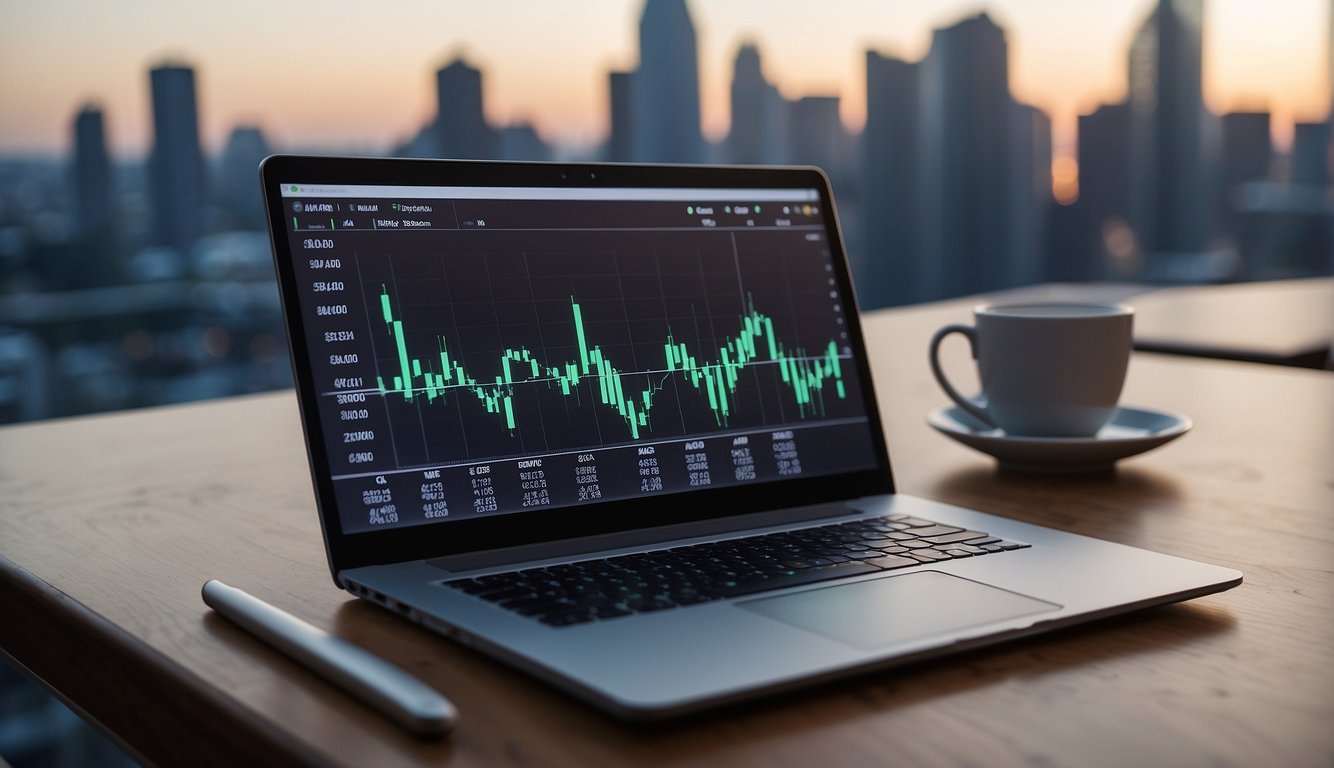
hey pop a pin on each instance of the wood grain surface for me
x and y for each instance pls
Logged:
(109, 526)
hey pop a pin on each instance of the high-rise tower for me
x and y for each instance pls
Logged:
(93, 211)
(245, 148)
(965, 126)
(759, 131)
(460, 123)
(176, 165)
(817, 134)
(665, 94)
(887, 268)
(620, 141)
(1103, 207)
(1170, 203)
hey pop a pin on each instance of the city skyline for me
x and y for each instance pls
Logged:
(955, 184)
(1254, 57)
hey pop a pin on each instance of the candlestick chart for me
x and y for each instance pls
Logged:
(495, 356)
(438, 374)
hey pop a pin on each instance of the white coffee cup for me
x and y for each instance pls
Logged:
(1047, 370)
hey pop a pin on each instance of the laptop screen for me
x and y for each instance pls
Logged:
(483, 351)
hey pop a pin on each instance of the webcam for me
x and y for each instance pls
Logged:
(568, 174)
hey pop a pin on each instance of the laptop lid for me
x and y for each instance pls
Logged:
(496, 354)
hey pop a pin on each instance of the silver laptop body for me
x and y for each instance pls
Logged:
(508, 367)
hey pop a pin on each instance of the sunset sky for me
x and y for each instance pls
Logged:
(360, 76)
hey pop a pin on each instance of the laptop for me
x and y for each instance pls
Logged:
(615, 425)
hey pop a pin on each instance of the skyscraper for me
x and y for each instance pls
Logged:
(93, 210)
(460, 123)
(176, 165)
(817, 134)
(1029, 179)
(1310, 154)
(1168, 170)
(965, 140)
(620, 143)
(759, 113)
(1104, 194)
(1246, 156)
(886, 268)
(246, 147)
(665, 95)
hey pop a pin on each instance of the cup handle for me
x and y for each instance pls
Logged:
(965, 403)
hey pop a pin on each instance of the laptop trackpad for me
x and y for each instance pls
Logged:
(897, 609)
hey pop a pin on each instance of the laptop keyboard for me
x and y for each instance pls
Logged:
(591, 590)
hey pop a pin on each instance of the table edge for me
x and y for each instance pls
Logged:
(41, 620)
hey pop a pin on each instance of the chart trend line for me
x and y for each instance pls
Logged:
(440, 373)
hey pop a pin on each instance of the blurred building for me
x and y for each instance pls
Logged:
(665, 93)
(887, 268)
(1312, 175)
(759, 132)
(1311, 154)
(1169, 210)
(620, 141)
(964, 140)
(1285, 227)
(460, 123)
(238, 173)
(1247, 153)
(956, 175)
(1102, 245)
(176, 165)
(94, 212)
(1029, 196)
(817, 136)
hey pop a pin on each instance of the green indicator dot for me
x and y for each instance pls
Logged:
(690, 210)
(757, 209)
(293, 187)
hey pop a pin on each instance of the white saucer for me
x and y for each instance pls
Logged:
(1131, 431)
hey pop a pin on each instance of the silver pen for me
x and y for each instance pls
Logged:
(381, 685)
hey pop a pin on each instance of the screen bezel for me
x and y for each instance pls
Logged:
(427, 541)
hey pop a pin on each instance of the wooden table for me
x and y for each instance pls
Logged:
(110, 524)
